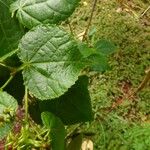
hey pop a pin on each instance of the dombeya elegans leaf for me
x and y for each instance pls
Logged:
(52, 61)
(57, 130)
(34, 12)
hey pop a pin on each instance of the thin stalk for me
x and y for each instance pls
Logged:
(145, 11)
(70, 27)
(90, 21)
(16, 70)
(12, 74)
(144, 82)
(8, 55)
(26, 104)
(8, 67)
(7, 82)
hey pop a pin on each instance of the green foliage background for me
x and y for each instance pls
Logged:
(128, 125)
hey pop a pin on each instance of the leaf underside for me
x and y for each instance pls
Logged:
(52, 61)
(32, 13)
(72, 107)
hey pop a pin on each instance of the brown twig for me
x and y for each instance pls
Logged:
(143, 83)
(90, 21)
(145, 11)
(70, 27)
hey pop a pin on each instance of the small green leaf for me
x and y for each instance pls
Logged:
(32, 13)
(57, 130)
(52, 61)
(85, 50)
(8, 107)
(96, 58)
(75, 143)
(105, 47)
(5, 128)
(100, 62)
(7, 102)
(72, 107)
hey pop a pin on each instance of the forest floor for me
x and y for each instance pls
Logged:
(121, 121)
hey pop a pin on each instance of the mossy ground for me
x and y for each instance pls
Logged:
(120, 122)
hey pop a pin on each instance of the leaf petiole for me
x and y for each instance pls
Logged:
(26, 104)
(3, 58)
(7, 82)
(6, 66)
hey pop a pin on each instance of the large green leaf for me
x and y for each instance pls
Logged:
(32, 13)
(8, 107)
(52, 61)
(10, 31)
(72, 107)
(57, 130)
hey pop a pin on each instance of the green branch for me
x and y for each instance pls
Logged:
(90, 21)
(6, 66)
(26, 104)
(8, 55)
(12, 74)
(7, 82)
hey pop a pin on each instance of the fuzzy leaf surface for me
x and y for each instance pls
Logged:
(32, 13)
(57, 130)
(52, 61)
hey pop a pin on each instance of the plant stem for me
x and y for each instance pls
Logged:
(26, 104)
(90, 21)
(8, 55)
(8, 67)
(145, 11)
(144, 82)
(7, 82)
(70, 27)
(16, 70)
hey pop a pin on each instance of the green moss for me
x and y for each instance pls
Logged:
(116, 129)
